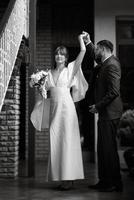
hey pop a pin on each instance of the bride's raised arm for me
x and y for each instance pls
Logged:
(81, 54)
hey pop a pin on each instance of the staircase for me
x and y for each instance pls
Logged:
(13, 26)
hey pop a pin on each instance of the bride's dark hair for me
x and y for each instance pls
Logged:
(63, 51)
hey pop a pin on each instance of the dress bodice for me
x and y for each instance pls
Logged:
(62, 80)
(66, 79)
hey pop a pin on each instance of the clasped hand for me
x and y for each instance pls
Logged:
(82, 35)
(85, 36)
(93, 109)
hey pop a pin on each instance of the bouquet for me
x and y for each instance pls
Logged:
(39, 80)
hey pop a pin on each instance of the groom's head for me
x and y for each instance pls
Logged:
(103, 49)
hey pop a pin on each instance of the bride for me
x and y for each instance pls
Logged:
(65, 158)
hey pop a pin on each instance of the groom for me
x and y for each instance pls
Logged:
(108, 105)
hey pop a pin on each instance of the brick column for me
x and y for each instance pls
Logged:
(44, 60)
(9, 130)
(10, 120)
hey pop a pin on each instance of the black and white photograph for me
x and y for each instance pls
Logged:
(66, 100)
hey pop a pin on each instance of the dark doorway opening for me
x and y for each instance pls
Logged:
(125, 51)
(22, 139)
(23, 59)
(22, 128)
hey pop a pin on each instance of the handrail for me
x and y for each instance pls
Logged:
(14, 26)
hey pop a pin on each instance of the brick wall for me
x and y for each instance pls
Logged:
(9, 130)
(10, 121)
(44, 60)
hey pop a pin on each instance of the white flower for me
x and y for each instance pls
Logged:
(39, 80)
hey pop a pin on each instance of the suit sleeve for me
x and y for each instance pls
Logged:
(90, 51)
(113, 75)
(89, 60)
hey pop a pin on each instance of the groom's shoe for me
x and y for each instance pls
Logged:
(97, 186)
(111, 189)
(117, 188)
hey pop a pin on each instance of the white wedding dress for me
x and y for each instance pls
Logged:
(65, 160)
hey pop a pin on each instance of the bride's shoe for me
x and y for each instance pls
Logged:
(67, 185)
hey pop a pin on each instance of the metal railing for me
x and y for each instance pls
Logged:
(13, 26)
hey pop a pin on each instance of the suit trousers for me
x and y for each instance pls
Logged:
(108, 158)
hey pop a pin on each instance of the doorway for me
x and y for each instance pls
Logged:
(23, 73)
(125, 51)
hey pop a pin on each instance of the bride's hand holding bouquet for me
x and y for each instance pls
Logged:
(39, 80)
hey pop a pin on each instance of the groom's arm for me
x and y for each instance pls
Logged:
(90, 50)
(88, 62)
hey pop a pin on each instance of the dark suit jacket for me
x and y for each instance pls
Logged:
(106, 80)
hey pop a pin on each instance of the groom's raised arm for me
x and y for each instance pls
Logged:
(89, 46)
(90, 50)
